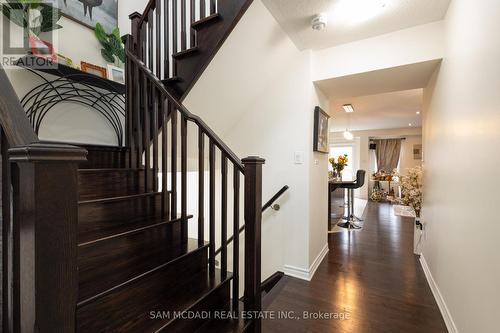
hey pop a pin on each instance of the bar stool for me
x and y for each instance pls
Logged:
(359, 182)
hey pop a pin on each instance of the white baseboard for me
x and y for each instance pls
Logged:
(448, 320)
(303, 273)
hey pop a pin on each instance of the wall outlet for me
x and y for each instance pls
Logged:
(298, 157)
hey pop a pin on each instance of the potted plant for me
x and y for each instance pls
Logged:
(113, 50)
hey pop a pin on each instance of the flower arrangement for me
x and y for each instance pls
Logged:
(340, 164)
(411, 188)
(376, 195)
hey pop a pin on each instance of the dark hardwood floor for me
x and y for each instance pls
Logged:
(369, 277)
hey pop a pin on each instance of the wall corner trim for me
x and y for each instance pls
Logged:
(448, 319)
(303, 273)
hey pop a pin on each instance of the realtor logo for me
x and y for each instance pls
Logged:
(29, 32)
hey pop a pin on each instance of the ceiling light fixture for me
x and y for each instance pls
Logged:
(319, 22)
(348, 135)
(348, 108)
(418, 112)
(410, 124)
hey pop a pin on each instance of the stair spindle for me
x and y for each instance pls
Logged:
(143, 41)
(154, 128)
(137, 117)
(201, 187)
(224, 215)
(128, 117)
(166, 40)
(147, 134)
(183, 25)
(192, 8)
(212, 7)
(184, 177)
(158, 38)
(174, 33)
(164, 158)
(211, 250)
(150, 40)
(203, 9)
(173, 150)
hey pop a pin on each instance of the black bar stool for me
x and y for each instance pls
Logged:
(359, 182)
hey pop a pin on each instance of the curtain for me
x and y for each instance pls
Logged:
(388, 152)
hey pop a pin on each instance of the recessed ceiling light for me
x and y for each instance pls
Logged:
(410, 124)
(348, 108)
(418, 112)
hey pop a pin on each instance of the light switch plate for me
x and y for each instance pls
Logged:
(298, 157)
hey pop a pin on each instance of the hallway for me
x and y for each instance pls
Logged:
(370, 278)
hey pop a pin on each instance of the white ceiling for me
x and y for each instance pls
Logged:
(351, 20)
(382, 99)
(385, 80)
(389, 110)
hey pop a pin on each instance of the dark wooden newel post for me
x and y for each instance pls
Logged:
(45, 212)
(253, 221)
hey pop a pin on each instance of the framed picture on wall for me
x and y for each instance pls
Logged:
(89, 12)
(116, 74)
(320, 130)
(417, 152)
(94, 69)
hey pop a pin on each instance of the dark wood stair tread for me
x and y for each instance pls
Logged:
(105, 269)
(120, 198)
(148, 296)
(206, 20)
(125, 228)
(171, 80)
(188, 299)
(110, 170)
(185, 53)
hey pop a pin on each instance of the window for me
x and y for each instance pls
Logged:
(336, 151)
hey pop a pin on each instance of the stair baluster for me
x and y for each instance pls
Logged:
(183, 25)
(166, 39)
(203, 8)
(192, 9)
(211, 198)
(201, 186)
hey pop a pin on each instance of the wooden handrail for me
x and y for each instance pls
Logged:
(275, 197)
(145, 14)
(185, 112)
(266, 206)
(13, 119)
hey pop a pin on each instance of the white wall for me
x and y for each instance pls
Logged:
(269, 99)
(461, 198)
(125, 8)
(408, 46)
(362, 152)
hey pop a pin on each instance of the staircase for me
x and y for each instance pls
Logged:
(94, 240)
(178, 39)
